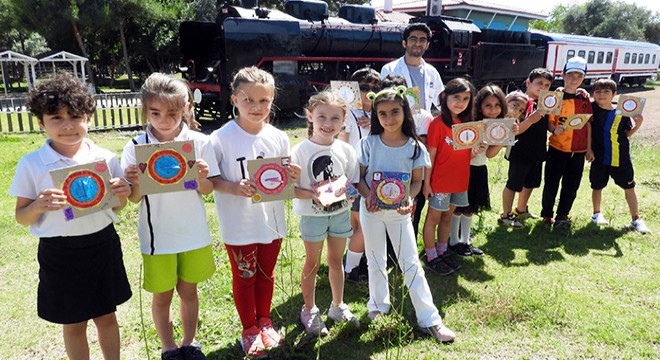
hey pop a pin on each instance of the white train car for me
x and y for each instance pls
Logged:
(624, 61)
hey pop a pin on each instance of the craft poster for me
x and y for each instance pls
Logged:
(327, 190)
(412, 94)
(349, 91)
(390, 190)
(499, 131)
(467, 135)
(550, 102)
(576, 121)
(87, 189)
(630, 105)
(272, 179)
(166, 167)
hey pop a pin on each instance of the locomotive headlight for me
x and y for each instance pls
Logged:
(210, 69)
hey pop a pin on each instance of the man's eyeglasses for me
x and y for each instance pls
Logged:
(416, 40)
(368, 88)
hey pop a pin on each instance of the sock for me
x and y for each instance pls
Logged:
(636, 217)
(352, 260)
(453, 229)
(441, 248)
(466, 225)
(431, 254)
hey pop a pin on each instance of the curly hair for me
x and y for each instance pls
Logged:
(61, 90)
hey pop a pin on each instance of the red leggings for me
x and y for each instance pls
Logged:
(253, 275)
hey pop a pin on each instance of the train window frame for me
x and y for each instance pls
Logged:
(640, 58)
(582, 53)
(647, 57)
(626, 58)
(608, 59)
(600, 57)
(591, 57)
(653, 58)
(570, 54)
(633, 59)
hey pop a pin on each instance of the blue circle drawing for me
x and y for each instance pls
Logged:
(167, 167)
(84, 189)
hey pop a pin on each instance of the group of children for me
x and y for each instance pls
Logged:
(385, 136)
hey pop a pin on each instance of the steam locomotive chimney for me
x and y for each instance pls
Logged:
(433, 7)
(387, 6)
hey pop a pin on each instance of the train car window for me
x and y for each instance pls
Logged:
(570, 54)
(654, 58)
(581, 53)
(592, 55)
(609, 58)
(634, 59)
(646, 58)
(640, 59)
(600, 57)
(626, 59)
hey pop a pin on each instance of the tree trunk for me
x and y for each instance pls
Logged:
(124, 50)
(81, 45)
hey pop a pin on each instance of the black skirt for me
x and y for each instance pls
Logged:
(81, 277)
(478, 193)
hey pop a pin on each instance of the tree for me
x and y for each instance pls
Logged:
(607, 18)
(553, 21)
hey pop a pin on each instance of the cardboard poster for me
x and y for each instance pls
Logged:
(87, 189)
(630, 105)
(349, 91)
(467, 135)
(272, 179)
(550, 102)
(166, 167)
(390, 190)
(499, 131)
(412, 94)
(576, 121)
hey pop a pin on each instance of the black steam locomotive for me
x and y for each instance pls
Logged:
(305, 49)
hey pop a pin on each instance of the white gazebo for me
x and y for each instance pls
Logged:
(27, 62)
(73, 59)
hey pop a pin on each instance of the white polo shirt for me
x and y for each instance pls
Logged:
(32, 176)
(175, 222)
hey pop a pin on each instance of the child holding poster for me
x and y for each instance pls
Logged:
(81, 270)
(176, 250)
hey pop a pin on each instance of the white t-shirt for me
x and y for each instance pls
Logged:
(422, 120)
(242, 222)
(356, 133)
(32, 176)
(174, 222)
(319, 163)
(479, 160)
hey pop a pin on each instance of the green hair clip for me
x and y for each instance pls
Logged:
(399, 90)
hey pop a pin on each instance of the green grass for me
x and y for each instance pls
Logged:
(537, 293)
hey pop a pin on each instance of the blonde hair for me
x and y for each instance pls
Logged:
(326, 97)
(252, 75)
(170, 90)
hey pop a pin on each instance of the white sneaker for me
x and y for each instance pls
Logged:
(599, 219)
(639, 226)
(342, 313)
(440, 333)
(311, 320)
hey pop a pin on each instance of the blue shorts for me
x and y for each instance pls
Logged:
(318, 228)
(442, 201)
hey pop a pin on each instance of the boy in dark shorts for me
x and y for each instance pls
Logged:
(611, 148)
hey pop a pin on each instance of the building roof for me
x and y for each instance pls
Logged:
(420, 5)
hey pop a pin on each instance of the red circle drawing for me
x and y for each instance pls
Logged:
(467, 136)
(271, 179)
(100, 167)
(186, 148)
(391, 191)
(630, 105)
(97, 190)
(156, 173)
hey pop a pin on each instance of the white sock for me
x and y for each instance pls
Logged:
(466, 225)
(453, 229)
(352, 260)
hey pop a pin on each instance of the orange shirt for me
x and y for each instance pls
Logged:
(571, 140)
(451, 168)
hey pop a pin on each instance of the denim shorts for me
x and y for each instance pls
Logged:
(441, 201)
(318, 228)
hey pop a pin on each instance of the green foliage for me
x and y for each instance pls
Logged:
(553, 22)
(608, 18)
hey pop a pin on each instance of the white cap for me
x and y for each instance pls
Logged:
(576, 64)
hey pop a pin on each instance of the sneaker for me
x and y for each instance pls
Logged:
(252, 344)
(548, 221)
(475, 250)
(438, 266)
(174, 354)
(510, 221)
(374, 314)
(450, 260)
(311, 320)
(461, 249)
(562, 223)
(356, 276)
(440, 333)
(342, 313)
(269, 337)
(639, 226)
(599, 219)
(524, 215)
(192, 351)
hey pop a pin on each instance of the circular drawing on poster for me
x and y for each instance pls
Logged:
(498, 132)
(84, 189)
(391, 191)
(167, 166)
(630, 105)
(550, 101)
(467, 136)
(349, 95)
(575, 122)
(271, 179)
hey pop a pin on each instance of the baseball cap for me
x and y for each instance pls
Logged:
(576, 64)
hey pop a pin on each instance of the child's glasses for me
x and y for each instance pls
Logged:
(368, 88)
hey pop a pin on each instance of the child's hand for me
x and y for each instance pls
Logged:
(559, 130)
(639, 119)
(479, 149)
(245, 188)
(364, 122)
(131, 174)
(294, 171)
(515, 128)
(202, 169)
(583, 92)
(49, 200)
(406, 207)
(590, 155)
(120, 187)
(428, 193)
(372, 206)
